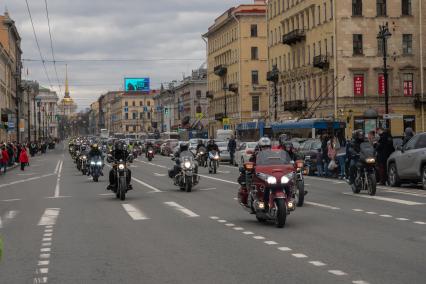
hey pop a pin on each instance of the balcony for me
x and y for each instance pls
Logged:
(321, 62)
(294, 37)
(219, 116)
(220, 70)
(296, 105)
(233, 88)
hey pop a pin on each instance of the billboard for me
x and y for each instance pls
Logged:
(136, 84)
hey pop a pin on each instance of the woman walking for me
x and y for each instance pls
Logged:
(23, 158)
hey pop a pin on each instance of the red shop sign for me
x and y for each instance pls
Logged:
(408, 88)
(381, 85)
(359, 85)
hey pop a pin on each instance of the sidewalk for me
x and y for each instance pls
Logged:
(9, 168)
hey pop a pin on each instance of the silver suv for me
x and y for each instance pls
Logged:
(408, 163)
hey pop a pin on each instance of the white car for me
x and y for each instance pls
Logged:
(244, 152)
(223, 148)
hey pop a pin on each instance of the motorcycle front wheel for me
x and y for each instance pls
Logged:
(300, 193)
(122, 187)
(281, 215)
(188, 184)
(372, 184)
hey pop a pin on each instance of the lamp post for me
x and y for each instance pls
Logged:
(273, 76)
(225, 88)
(384, 35)
(39, 117)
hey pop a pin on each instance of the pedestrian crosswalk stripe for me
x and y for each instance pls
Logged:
(134, 213)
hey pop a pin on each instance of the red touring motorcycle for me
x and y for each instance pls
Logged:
(272, 187)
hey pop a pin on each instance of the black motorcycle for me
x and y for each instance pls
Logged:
(366, 170)
(202, 156)
(120, 172)
(187, 177)
(95, 168)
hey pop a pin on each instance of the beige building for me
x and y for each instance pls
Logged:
(237, 66)
(331, 62)
(10, 78)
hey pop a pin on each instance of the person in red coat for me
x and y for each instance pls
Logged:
(5, 158)
(23, 158)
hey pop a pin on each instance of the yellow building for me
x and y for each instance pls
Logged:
(331, 62)
(237, 66)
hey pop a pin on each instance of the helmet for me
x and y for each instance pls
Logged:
(211, 142)
(358, 135)
(183, 147)
(118, 145)
(95, 146)
(283, 138)
(265, 143)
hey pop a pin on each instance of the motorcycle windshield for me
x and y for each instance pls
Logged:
(271, 158)
(367, 150)
(186, 155)
(202, 149)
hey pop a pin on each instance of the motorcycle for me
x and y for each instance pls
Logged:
(213, 161)
(150, 154)
(96, 166)
(201, 157)
(272, 188)
(83, 164)
(365, 170)
(187, 177)
(120, 172)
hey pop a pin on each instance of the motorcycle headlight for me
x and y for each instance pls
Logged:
(99, 163)
(92, 163)
(84, 157)
(216, 157)
(187, 164)
(201, 153)
(150, 151)
(370, 160)
(287, 178)
(271, 180)
(121, 166)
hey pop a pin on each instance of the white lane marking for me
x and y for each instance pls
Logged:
(420, 223)
(258, 237)
(182, 209)
(11, 200)
(229, 225)
(43, 270)
(358, 210)
(207, 189)
(45, 250)
(388, 199)
(49, 227)
(238, 228)
(317, 263)
(58, 197)
(402, 219)
(403, 192)
(43, 262)
(248, 233)
(284, 249)
(134, 213)
(7, 218)
(152, 164)
(47, 235)
(107, 194)
(49, 217)
(45, 255)
(371, 213)
(299, 255)
(58, 181)
(160, 175)
(337, 272)
(386, 216)
(360, 282)
(222, 221)
(271, 243)
(57, 167)
(222, 180)
(214, 217)
(40, 280)
(46, 244)
(224, 172)
(146, 185)
(235, 198)
(322, 205)
(47, 239)
(25, 180)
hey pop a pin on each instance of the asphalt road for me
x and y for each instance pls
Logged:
(60, 227)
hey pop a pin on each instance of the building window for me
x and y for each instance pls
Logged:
(133, 103)
(332, 45)
(356, 7)
(127, 128)
(253, 30)
(357, 44)
(134, 115)
(254, 53)
(406, 7)
(255, 107)
(198, 94)
(255, 77)
(126, 103)
(380, 49)
(408, 84)
(141, 103)
(407, 44)
(149, 103)
(381, 8)
(325, 12)
(126, 116)
(141, 115)
(331, 10)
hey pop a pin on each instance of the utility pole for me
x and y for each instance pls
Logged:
(383, 35)
(273, 76)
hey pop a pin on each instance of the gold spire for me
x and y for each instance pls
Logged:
(67, 90)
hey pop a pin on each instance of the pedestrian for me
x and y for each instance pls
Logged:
(232, 146)
(341, 157)
(408, 134)
(331, 153)
(23, 158)
(384, 149)
(5, 159)
(319, 161)
(324, 150)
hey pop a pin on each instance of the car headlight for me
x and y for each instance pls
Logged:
(370, 160)
(99, 163)
(121, 166)
(187, 164)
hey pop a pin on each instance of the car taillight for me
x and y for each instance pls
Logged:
(249, 152)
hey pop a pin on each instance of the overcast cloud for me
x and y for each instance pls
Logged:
(99, 29)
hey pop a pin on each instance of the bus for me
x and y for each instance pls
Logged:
(308, 128)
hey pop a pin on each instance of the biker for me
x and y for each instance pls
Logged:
(286, 145)
(149, 145)
(211, 146)
(183, 147)
(119, 153)
(200, 144)
(93, 153)
(263, 144)
(353, 153)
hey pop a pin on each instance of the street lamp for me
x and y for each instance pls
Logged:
(273, 76)
(39, 117)
(225, 88)
(384, 35)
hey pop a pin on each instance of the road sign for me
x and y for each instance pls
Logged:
(392, 116)
(21, 125)
(11, 125)
(226, 121)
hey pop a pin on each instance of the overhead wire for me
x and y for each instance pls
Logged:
(51, 46)
(117, 60)
(38, 45)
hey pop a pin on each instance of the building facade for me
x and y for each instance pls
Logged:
(237, 58)
(331, 61)
(67, 106)
(47, 113)
(165, 108)
(10, 78)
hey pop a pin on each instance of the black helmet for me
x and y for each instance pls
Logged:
(200, 142)
(283, 138)
(118, 145)
(183, 147)
(358, 135)
(211, 142)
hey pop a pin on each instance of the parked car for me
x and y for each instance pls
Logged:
(223, 148)
(244, 152)
(408, 162)
(308, 151)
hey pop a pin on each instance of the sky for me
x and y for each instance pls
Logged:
(160, 39)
